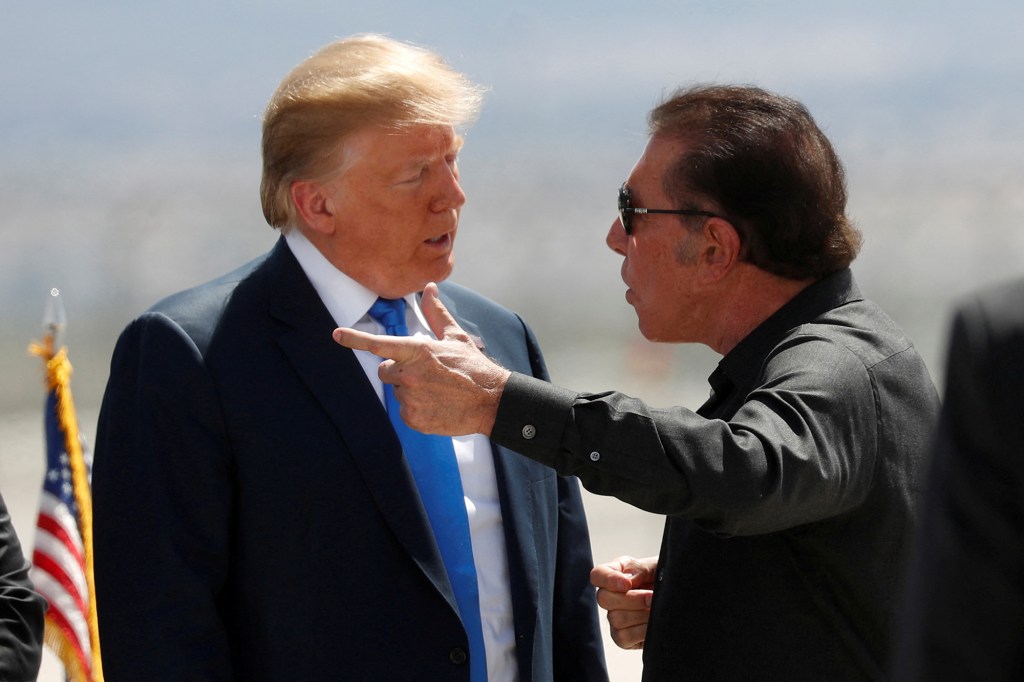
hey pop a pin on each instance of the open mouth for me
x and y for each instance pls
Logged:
(442, 240)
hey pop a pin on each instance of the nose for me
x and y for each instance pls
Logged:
(449, 194)
(617, 237)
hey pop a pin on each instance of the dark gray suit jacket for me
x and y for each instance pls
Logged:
(964, 618)
(255, 518)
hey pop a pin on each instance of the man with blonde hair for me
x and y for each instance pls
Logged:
(261, 513)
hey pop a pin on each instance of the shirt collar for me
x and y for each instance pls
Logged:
(826, 294)
(345, 299)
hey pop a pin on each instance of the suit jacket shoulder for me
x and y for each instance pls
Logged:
(993, 320)
(194, 308)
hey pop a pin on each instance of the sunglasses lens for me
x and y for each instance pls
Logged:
(624, 214)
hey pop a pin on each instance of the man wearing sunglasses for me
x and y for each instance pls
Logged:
(790, 495)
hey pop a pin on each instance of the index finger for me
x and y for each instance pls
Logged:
(609, 577)
(381, 345)
(632, 600)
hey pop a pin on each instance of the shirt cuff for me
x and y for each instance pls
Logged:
(532, 415)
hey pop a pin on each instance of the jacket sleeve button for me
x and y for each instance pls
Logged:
(529, 431)
(457, 656)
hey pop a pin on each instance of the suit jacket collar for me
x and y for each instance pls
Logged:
(335, 377)
(525, 509)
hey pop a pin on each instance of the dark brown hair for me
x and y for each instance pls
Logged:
(764, 162)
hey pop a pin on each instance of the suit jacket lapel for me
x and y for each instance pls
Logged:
(519, 504)
(337, 380)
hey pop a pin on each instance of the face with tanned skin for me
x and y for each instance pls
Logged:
(659, 264)
(389, 219)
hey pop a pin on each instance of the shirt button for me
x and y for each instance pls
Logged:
(529, 431)
(594, 456)
(457, 656)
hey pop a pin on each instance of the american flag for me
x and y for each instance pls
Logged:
(62, 556)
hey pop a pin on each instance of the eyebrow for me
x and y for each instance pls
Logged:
(456, 145)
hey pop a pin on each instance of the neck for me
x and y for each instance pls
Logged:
(750, 296)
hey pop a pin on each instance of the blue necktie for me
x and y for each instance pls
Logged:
(433, 464)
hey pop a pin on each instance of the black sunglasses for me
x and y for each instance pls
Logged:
(626, 212)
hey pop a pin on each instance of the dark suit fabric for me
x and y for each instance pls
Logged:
(255, 518)
(21, 609)
(964, 617)
(790, 495)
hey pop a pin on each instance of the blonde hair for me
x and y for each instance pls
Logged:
(346, 86)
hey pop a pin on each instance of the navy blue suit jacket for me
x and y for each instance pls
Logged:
(255, 518)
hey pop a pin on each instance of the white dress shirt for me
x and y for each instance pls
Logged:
(348, 302)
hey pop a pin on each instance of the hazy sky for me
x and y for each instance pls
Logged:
(129, 136)
(197, 73)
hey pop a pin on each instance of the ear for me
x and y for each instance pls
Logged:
(721, 249)
(313, 205)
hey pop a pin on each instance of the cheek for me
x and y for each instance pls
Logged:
(648, 268)
(661, 284)
(389, 240)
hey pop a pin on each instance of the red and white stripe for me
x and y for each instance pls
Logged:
(58, 573)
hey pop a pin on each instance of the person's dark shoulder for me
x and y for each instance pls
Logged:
(197, 309)
(998, 311)
(986, 346)
(204, 298)
(857, 331)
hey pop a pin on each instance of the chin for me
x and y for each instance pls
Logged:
(653, 338)
(439, 275)
(444, 272)
(652, 332)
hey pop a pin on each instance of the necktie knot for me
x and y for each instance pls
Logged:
(390, 312)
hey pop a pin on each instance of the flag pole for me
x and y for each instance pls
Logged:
(58, 381)
(55, 319)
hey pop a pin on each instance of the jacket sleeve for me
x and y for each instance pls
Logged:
(162, 498)
(21, 609)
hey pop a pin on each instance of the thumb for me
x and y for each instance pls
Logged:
(640, 571)
(440, 320)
